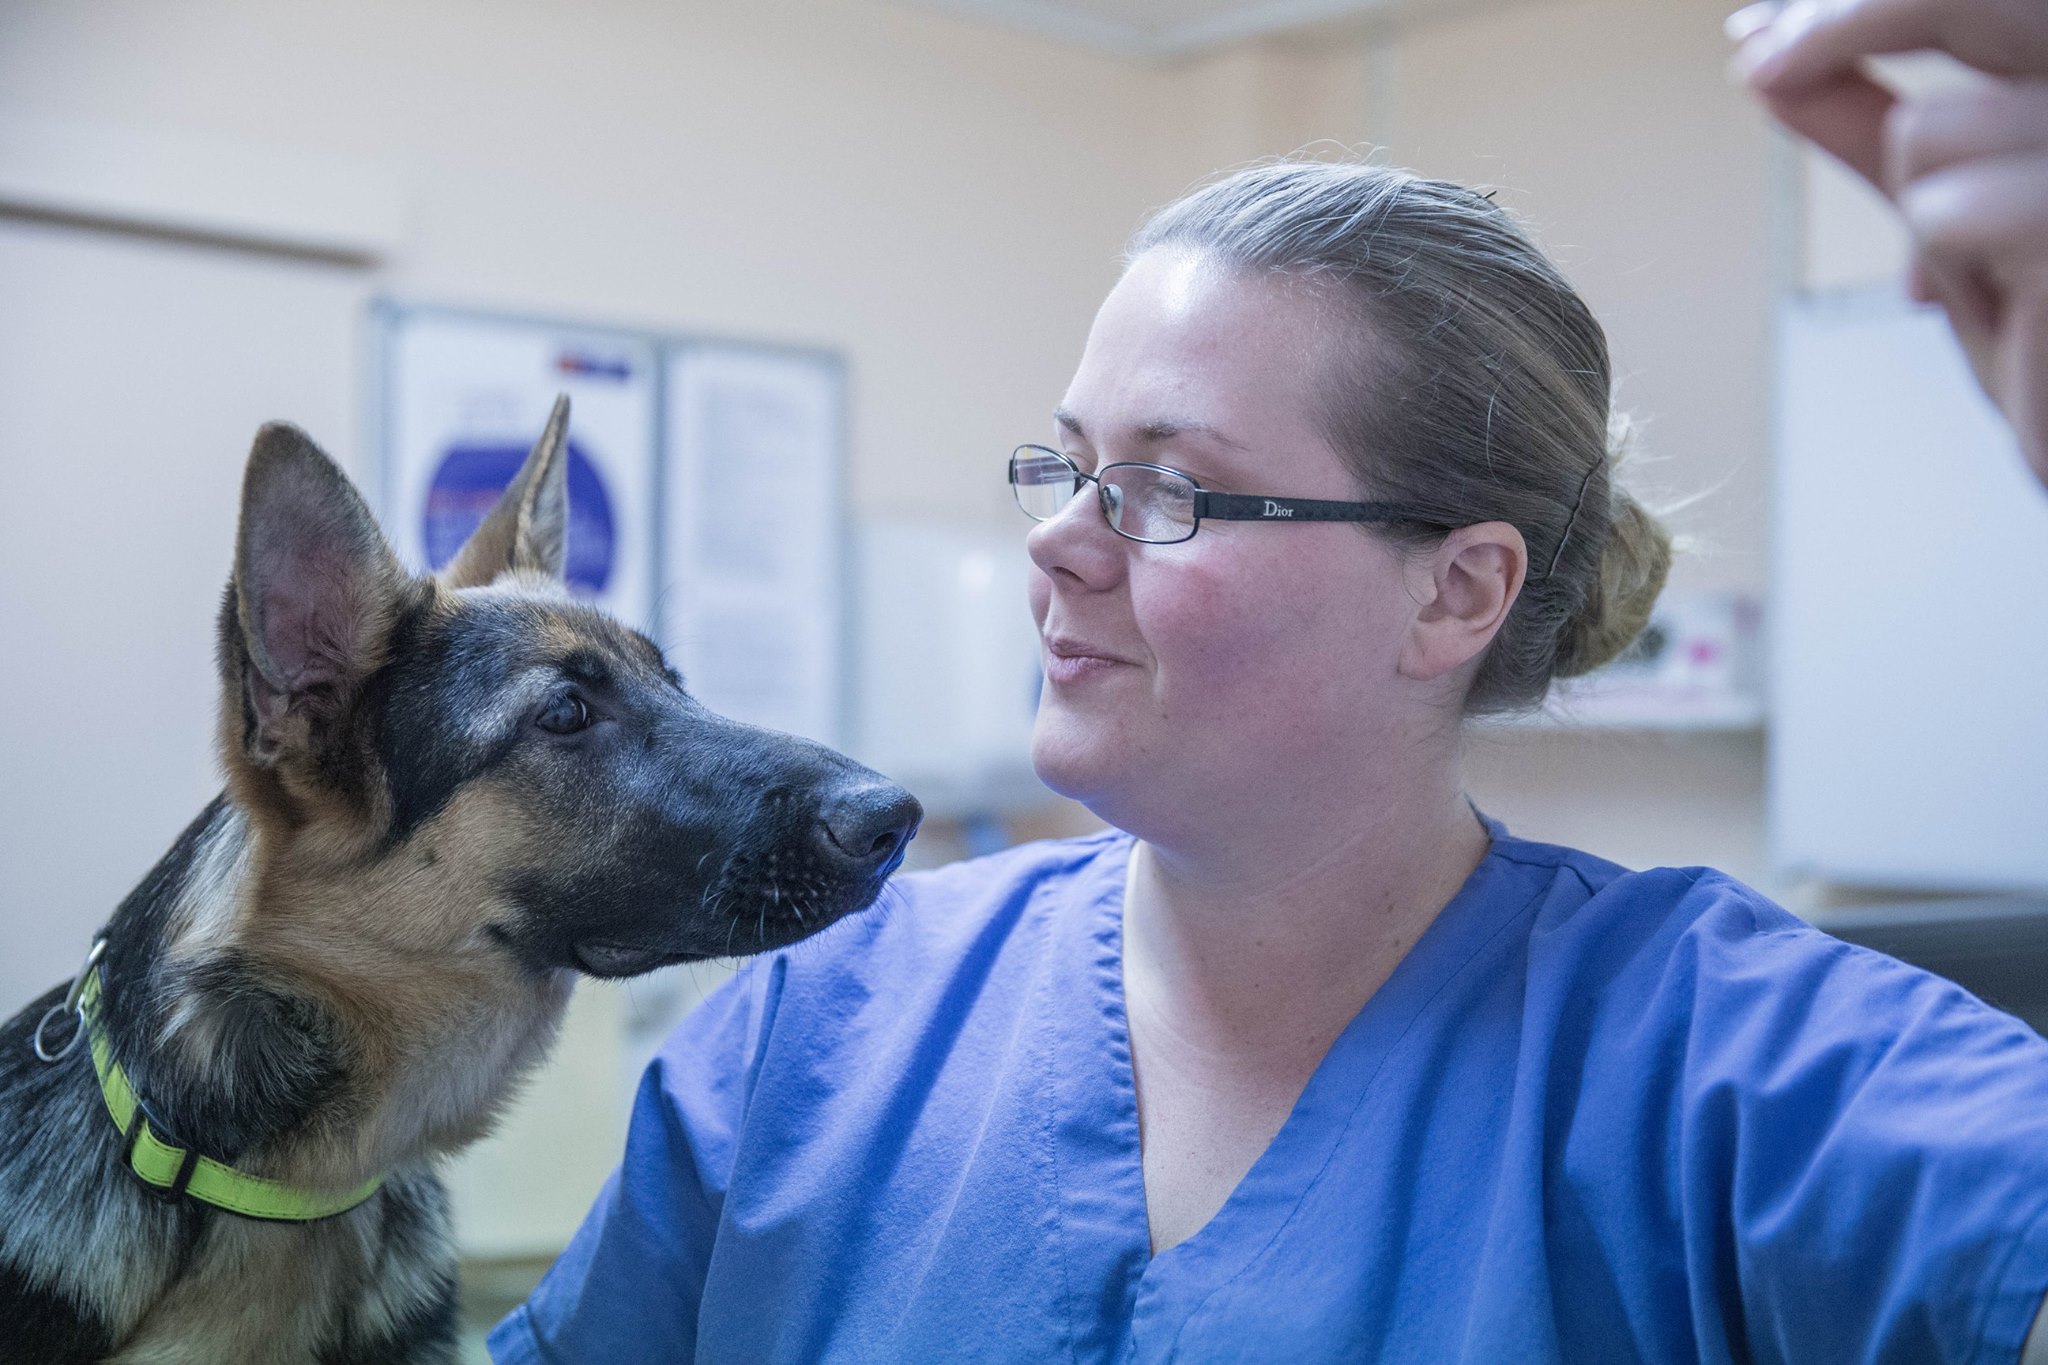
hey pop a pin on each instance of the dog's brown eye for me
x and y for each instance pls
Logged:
(564, 714)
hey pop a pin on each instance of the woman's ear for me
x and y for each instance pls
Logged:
(1462, 589)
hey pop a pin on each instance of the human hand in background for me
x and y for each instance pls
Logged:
(1967, 169)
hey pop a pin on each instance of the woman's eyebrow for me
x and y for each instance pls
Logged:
(1158, 429)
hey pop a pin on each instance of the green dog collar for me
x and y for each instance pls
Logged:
(178, 1170)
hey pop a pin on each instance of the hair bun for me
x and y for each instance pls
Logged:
(1634, 563)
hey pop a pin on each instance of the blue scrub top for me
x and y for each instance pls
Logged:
(1594, 1115)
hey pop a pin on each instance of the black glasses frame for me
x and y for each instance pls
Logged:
(1222, 506)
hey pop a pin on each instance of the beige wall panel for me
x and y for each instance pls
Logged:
(1610, 126)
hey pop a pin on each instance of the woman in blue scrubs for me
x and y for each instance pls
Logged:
(1306, 1059)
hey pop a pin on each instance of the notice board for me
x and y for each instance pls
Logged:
(706, 496)
(1909, 611)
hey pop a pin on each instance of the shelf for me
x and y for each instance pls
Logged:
(1640, 709)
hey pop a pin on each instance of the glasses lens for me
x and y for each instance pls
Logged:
(1042, 481)
(1113, 503)
(1149, 504)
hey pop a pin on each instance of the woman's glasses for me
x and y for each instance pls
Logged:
(1161, 506)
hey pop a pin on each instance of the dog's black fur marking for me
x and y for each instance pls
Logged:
(46, 1327)
(410, 1227)
(414, 1339)
(441, 667)
(133, 955)
(285, 1045)
(57, 1165)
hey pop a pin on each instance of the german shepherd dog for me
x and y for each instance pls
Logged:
(444, 798)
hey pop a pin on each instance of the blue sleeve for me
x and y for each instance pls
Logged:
(629, 1285)
(1874, 1147)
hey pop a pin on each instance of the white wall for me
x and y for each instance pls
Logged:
(940, 202)
(1610, 126)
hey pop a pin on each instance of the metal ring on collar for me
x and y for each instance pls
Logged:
(71, 1006)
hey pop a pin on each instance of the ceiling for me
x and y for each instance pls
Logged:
(1164, 29)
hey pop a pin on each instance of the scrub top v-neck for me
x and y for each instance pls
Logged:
(1592, 1115)
(1171, 1288)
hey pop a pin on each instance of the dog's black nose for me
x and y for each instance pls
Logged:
(867, 825)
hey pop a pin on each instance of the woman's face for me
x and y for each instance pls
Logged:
(1254, 667)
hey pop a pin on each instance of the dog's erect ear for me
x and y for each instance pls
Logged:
(528, 529)
(314, 592)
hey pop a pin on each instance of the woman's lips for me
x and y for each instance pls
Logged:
(1072, 661)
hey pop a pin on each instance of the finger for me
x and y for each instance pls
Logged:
(1973, 313)
(1845, 116)
(1992, 212)
(2025, 382)
(1919, 285)
(1931, 132)
(1813, 41)
(1751, 20)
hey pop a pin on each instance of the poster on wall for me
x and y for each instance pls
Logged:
(752, 549)
(464, 397)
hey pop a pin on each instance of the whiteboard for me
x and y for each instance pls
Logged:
(1909, 620)
(715, 468)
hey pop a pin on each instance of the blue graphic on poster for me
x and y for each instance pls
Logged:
(467, 483)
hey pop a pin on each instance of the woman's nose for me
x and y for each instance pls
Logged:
(1078, 539)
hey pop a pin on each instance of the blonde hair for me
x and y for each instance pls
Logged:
(1477, 388)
